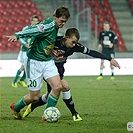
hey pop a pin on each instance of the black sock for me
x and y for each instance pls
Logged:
(34, 105)
(70, 105)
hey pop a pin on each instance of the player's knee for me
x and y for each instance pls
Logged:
(59, 87)
(65, 88)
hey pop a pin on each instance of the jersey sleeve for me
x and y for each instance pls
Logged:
(22, 41)
(80, 48)
(115, 38)
(96, 54)
(30, 31)
(36, 30)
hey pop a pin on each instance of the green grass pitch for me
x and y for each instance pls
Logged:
(106, 106)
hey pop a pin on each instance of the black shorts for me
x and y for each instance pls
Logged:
(108, 52)
(61, 69)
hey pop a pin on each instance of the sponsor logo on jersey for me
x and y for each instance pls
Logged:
(48, 49)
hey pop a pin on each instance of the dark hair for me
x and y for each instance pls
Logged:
(34, 16)
(106, 22)
(72, 32)
(62, 11)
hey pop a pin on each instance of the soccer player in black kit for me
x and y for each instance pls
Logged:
(64, 47)
(107, 40)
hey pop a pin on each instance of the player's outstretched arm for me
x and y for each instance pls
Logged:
(115, 63)
(11, 38)
(96, 54)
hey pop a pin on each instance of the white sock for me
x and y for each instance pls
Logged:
(66, 95)
(44, 98)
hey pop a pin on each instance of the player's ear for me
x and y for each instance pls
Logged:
(55, 18)
(67, 37)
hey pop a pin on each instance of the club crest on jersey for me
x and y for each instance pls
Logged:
(48, 49)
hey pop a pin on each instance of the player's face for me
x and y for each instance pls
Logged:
(60, 22)
(71, 42)
(34, 21)
(106, 27)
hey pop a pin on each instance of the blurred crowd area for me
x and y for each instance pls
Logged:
(87, 16)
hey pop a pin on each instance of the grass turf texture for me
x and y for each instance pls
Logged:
(105, 106)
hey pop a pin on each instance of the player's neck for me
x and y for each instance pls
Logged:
(63, 41)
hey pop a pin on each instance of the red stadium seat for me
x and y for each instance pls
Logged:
(1, 34)
(105, 4)
(88, 4)
(2, 47)
(29, 4)
(95, 3)
(121, 45)
(108, 11)
(115, 27)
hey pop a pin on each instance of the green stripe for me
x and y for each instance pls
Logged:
(52, 97)
(28, 68)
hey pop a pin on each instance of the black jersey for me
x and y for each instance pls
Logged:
(62, 52)
(107, 37)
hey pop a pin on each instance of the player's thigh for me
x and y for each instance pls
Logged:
(51, 75)
(50, 70)
(34, 74)
(55, 83)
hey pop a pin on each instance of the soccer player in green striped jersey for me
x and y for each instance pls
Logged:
(39, 63)
(22, 55)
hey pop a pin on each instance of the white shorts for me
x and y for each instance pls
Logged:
(37, 70)
(21, 57)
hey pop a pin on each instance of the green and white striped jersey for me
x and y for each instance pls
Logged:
(24, 41)
(43, 37)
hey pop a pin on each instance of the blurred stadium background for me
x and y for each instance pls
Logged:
(86, 15)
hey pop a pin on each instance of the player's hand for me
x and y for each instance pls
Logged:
(111, 45)
(11, 38)
(99, 47)
(27, 45)
(115, 63)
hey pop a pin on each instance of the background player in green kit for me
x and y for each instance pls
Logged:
(39, 63)
(64, 47)
(107, 40)
(22, 55)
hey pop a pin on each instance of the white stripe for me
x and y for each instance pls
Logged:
(28, 31)
(85, 50)
(115, 37)
(46, 26)
(22, 41)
